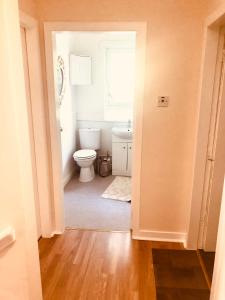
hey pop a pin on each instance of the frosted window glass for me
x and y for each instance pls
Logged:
(120, 75)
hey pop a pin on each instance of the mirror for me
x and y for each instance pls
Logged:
(60, 80)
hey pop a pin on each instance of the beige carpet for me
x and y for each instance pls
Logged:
(119, 189)
(85, 208)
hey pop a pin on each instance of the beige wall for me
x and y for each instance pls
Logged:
(28, 6)
(175, 30)
(214, 5)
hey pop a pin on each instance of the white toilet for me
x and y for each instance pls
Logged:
(89, 142)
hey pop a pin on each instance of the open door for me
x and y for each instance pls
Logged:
(31, 128)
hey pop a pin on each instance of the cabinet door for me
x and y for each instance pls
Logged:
(119, 158)
(129, 159)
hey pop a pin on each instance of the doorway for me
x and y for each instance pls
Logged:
(94, 104)
(55, 127)
(213, 38)
(214, 169)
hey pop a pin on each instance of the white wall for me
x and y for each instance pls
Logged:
(67, 111)
(93, 44)
(19, 263)
(89, 99)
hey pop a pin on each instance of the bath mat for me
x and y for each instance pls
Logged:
(178, 275)
(119, 189)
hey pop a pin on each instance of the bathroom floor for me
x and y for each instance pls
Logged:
(86, 209)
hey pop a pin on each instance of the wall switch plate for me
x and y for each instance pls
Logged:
(163, 101)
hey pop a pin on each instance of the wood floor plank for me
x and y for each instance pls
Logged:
(89, 265)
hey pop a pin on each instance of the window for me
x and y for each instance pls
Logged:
(119, 83)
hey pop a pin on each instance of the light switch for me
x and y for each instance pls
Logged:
(163, 101)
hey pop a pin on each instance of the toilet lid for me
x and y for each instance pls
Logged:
(85, 153)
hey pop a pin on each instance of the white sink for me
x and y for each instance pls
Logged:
(123, 132)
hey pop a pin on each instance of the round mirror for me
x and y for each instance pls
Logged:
(60, 79)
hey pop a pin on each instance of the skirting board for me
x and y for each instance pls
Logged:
(162, 236)
(56, 233)
(67, 178)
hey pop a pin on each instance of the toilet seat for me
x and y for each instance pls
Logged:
(84, 154)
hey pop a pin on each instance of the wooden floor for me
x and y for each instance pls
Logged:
(98, 265)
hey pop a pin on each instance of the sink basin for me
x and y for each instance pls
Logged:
(123, 132)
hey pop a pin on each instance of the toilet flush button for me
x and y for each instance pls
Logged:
(163, 101)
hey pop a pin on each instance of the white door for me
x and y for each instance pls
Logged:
(119, 158)
(31, 132)
(19, 263)
(215, 168)
(129, 159)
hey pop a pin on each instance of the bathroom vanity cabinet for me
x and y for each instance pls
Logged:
(121, 156)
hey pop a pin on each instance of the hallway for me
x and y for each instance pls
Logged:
(98, 265)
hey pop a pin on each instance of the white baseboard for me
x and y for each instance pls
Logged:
(56, 233)
(67, 177)
(162, 236)
(51, 234)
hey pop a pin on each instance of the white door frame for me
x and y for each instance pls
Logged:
(218, 287)
(140, 29)
(31, 129)
(215, 115)
(38, 120)
(211, 41)
(212, 28)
